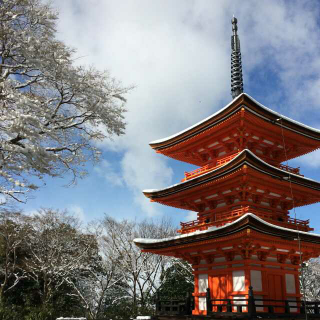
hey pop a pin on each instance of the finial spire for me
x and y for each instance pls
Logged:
(236, 66)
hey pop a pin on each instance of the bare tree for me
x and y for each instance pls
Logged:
(50, 110)
(99, 282)
(141, 271)
(12, 236)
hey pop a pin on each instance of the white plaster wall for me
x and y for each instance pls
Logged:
(203, 282)
(238, 280)
(290, 283)
(202, 303)
(256, 280)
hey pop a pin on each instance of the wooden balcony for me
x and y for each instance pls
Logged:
(223, 218)
(220, 162)
(208, 167)
(290, 169)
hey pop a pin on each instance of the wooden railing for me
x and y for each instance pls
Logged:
(208, 167)
(227, 217)
(250, 308)
(214, 165)
(262, 308)
(290, 169)
(175, 306)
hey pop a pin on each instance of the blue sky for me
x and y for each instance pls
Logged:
(177, 54)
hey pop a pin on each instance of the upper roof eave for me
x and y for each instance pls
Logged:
(267, 113)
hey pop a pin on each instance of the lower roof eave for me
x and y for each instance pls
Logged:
(249, 220)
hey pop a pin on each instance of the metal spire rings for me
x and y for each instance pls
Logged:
(236, 66)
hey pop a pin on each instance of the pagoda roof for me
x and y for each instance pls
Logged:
(246, 221)
(171, 145)
(244, 158)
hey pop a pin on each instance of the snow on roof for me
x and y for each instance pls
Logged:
(219, 111)
(193, 126)
(210, 229)
(209, 172)
(282, 116)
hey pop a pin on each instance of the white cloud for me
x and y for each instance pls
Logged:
(77, 211)
(177, 53)
(106, 170)
(31, 212)
(190, 216)
(312, 160)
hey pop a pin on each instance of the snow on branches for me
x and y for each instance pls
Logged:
(50, 110)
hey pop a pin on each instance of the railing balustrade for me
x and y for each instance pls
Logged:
(220, 162)
(208, 167)
(250, 308)
(175, 306)
(223, 218)
(261, 308)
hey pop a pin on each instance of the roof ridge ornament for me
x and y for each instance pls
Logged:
(236, 66)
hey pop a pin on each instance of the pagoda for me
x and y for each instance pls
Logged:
(242, 192)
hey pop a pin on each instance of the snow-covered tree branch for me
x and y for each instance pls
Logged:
(13, 230)
(141, 271)
(51, 111)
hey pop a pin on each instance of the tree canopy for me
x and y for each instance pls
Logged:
(51, 110)
(52, 267)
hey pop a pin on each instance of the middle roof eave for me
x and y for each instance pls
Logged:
(246, 157)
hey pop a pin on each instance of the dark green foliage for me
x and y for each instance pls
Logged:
(24, 300)
(177, 280)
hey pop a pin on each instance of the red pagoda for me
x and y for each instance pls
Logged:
(242, 192)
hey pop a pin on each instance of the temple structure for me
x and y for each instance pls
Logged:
(242, 192)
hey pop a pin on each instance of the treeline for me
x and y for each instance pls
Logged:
(50, 267)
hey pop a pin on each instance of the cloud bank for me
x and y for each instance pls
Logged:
(177, 54)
